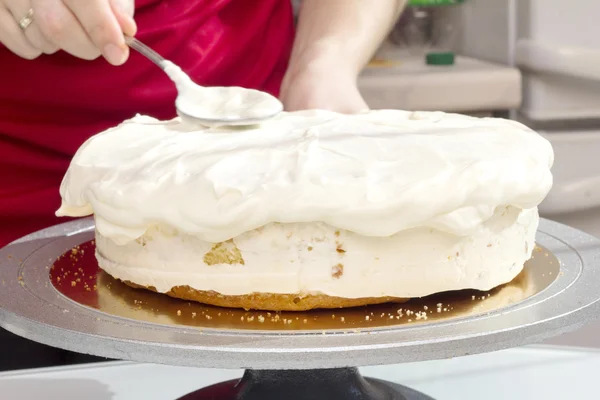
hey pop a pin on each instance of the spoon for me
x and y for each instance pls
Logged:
(215, 105)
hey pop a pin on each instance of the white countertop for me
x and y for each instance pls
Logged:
(469, 86)
(529, 373)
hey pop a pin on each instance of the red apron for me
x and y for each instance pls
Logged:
(51, 105)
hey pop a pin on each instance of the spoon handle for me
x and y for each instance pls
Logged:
(145, 51)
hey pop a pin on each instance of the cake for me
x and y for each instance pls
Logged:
(312, 209)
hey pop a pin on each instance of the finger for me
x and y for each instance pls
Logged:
(60, 27)
(123, 10)
(32, 32)
(12, 36)
(100, 23)
(37, 39)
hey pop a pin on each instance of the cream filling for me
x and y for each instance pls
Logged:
(315, 258)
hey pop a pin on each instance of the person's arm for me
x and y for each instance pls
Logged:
(334, 41)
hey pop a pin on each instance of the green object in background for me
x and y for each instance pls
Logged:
(425, 3)
(440, 58)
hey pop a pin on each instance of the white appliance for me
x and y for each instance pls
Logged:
(554, 46)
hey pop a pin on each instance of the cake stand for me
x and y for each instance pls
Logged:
(52, 292)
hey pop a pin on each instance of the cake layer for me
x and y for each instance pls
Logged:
(376, 174)
(303, 259)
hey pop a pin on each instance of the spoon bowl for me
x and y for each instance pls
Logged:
(212, 106)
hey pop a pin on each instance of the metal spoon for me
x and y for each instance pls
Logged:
(212, 106)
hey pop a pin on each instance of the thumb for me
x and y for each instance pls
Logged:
(124, 10)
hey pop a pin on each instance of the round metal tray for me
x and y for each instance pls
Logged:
(51, 291)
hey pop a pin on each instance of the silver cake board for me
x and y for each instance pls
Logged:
(300, 363)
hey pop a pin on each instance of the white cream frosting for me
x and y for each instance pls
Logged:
(227, 103)
(375, 174)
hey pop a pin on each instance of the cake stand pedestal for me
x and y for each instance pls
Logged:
(308, 355)
(313, 384)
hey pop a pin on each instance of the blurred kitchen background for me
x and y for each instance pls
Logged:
(536, 61)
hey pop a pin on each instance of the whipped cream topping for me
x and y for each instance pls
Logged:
(220, 105)
(376, 174)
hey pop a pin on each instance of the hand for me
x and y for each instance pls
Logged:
(326, 87)
(83, 28)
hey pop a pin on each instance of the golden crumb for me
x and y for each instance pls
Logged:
(343, 319)
(261, 319)
(310, 248)
(366, 318)
(179, 313)
(194, 315)
(224, 253)
(337, 233)
(73, 283)
(305, 320)
(337, 271)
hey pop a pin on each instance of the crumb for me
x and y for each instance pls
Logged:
(342, 319)
(261, 319)
(366, 318)
(73, 283)
(425, 308)
(194, 315)
(310, 248)
(179, 313)
(337, 233)
(305, 320)
(489, 245)
(337, 271)
(208, 317)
